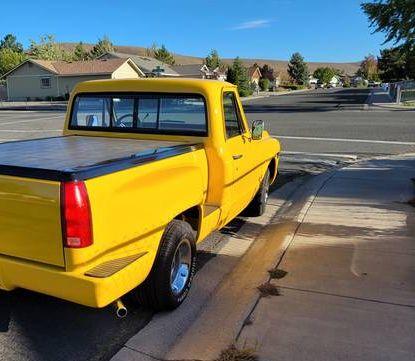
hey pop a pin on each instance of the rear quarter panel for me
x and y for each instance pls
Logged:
(131, 208)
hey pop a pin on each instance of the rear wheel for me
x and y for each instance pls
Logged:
(171, 276)
(258, 204)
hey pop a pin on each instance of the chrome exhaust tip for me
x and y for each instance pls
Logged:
(120, 310)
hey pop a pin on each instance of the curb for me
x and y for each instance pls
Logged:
(228, 310)
(34, 108)
(216, 321)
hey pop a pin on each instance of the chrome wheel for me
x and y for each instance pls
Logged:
(180, 267)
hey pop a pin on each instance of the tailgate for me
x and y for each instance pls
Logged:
(30, 223)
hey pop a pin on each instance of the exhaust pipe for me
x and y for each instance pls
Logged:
(120, 310)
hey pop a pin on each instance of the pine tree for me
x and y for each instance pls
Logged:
(10, 42)
(297, 69)
(238, 75)
(163, 55)
(213, 61)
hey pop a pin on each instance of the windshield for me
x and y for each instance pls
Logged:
(140, 113)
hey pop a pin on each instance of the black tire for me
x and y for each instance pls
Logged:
(258, 204)
(156, 291)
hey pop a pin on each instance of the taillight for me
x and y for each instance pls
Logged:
(76, 215)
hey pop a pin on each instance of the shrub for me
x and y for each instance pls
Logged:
(264, 84)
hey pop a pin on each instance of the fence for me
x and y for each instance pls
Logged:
(402, 91)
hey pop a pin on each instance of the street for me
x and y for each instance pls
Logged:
(318, 129)
(334, 121)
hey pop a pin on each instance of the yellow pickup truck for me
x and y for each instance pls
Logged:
(144, 171)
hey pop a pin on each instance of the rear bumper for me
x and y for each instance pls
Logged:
(72, 286)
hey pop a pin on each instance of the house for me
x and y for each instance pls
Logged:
(45, 79)
(3, 92)
(312, 80)
(254, 74)
(335, 81)
(149, 66)
(218, 74)
(199, 71)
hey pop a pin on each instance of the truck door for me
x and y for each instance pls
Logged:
(238, 149)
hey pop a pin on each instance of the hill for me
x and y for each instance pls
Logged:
(278, 65)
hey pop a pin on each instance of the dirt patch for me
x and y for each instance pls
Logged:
(268, 289)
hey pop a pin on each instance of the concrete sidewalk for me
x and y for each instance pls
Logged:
(381, 99)
(349, 291)
(344, 241)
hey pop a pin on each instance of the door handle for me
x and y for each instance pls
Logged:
(237, 156)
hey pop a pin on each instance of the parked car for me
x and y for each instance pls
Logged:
(144, 171)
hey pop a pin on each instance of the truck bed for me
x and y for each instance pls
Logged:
(82, 157)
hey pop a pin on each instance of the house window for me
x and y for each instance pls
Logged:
(45, 82)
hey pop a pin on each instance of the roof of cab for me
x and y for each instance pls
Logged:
(159, 85)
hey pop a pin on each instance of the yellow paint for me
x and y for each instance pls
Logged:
(131, 208)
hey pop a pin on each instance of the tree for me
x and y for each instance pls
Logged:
(102, 47)
(163, 55)
(213, 61)
(9, 59)
(396, 18)
(10, 42)
(238, 75)
(80, 53)
(151, 50)
(297, 69)
(264, 84)
(392, 65)
(47, 49)
(369, 68)
(267, 72)
(324, 74)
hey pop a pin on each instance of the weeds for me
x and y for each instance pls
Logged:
(277, 273)
(268, 289)
(232, 353)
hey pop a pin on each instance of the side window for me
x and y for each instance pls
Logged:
(232, 121)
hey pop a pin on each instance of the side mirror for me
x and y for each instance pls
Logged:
(257, 129)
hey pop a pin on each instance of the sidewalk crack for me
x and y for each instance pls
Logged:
(347, 297)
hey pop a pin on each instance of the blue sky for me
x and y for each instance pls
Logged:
(321, 30)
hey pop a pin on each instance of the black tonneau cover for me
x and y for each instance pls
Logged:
(82, 157)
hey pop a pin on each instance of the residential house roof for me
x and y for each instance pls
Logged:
(145, 63)
(191, 69)
(65, 68)
(253, 69)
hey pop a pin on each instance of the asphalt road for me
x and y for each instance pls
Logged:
(36, 327)
(335, 121)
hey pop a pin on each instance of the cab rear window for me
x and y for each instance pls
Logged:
(140, 113)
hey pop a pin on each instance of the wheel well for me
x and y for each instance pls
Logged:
(272, 168)
(191, 216)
